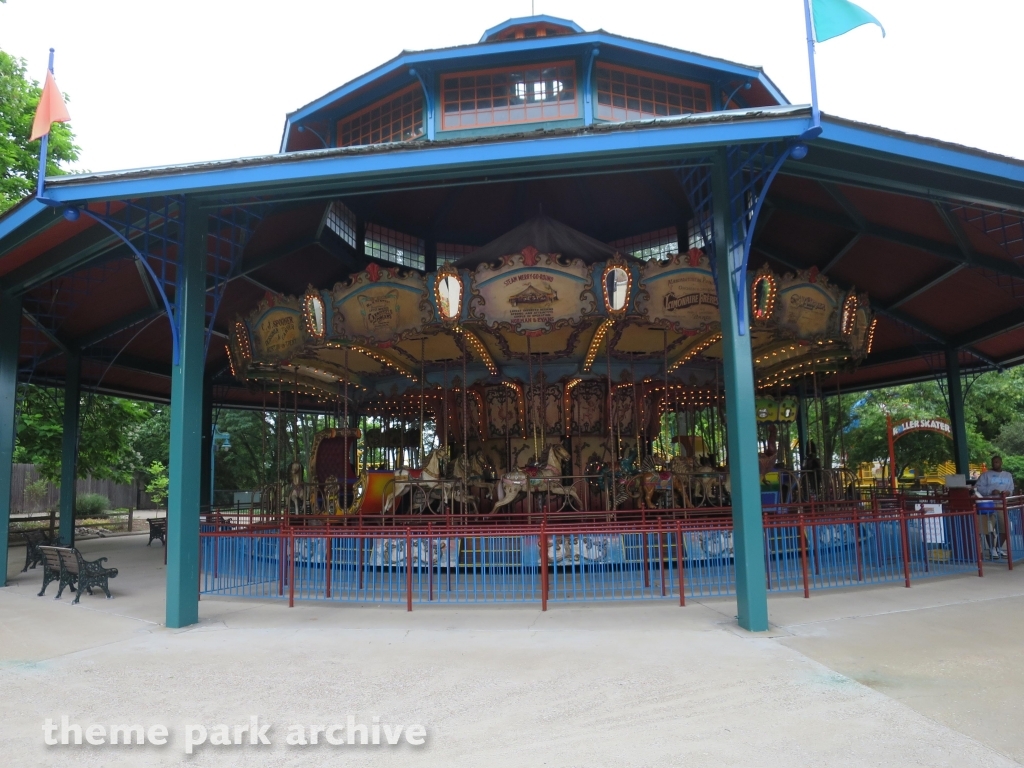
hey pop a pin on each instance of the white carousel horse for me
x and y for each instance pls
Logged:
(537, 480)
(426, 479)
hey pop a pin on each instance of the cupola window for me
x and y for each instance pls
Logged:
(624, 95)
(504, 96)
(396, 118)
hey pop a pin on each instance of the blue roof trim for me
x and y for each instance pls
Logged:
(425, 160)
(20, 215)
(405, 60)
(541, 19)
(923, 150)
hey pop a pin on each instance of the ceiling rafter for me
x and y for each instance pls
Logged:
(900, 317)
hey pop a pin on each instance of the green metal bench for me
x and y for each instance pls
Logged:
(67, 566)
(34, 539)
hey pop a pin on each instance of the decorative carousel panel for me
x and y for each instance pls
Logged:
(380, 305)
(806, 306)
(680, 292)
(532, 293)
(623, 410)
(587, 407)
(276, 327)
(860, 336)
(549, 413)
(504, 408)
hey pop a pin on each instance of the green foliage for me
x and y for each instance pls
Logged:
(1011, 438)
(91, 506)
(35, 492)
(19, 158)
(108, 430)
(158, 482)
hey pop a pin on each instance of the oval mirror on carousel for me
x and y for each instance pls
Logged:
(849, 316)
(449, 295)
(763, 297)
(314, 311)
(616, 289)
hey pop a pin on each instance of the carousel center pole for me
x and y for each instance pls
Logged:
(611, 426)
(423, 378)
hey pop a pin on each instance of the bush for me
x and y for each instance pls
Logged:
(92, 506)
(157, 486)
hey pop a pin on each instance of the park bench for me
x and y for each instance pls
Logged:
(34, 539)
(67, 566)
(157, 530)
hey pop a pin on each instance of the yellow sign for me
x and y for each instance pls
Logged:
(278, 332)
(681, 292)
(380, 305)
(531, 292)
(805, 309)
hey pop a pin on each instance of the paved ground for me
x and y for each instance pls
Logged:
(930, 676)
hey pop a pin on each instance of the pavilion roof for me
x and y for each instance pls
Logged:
(931, 230)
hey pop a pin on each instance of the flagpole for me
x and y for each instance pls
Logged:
(43, 146)
(815, 112)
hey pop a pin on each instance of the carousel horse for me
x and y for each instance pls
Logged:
(296, 490)
(537, 479)
(766, 461)
(477, 475)
(649, 481)
(600, 475)
(428, 478)
(682, 468)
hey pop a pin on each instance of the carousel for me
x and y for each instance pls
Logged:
(519, 379)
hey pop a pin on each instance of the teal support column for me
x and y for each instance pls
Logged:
(741, 420)
(69, 448)
(10, 339)
(957, 420)
(186, 455)
(206, 479)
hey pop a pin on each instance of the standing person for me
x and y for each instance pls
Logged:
(995, 482)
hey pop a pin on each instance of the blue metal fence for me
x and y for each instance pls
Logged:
(666, 559)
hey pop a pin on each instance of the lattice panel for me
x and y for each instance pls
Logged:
(230, 230)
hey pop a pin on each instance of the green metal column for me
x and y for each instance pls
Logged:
(961, 455)
(741, 422)
(69, 448)
(10, 339)
(186, 455)
(206, 494)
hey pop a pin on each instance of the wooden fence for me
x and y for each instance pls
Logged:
(34, 500)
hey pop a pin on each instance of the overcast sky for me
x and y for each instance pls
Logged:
(153, 83)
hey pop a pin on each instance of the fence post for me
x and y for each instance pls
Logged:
(977, 544)
(131, 519)
(1008, 534)
(543, 568)
(328, 563)
(408, 569)
(856, 543)
(291, 569)
(803, 554)
(679, 564)
(53, 521)
(904, 540)
(661, 555)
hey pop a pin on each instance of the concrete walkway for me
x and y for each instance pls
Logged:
(930, 676)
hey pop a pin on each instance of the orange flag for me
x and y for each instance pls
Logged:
(51, 108)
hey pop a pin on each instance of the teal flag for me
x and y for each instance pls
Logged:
(833, 18)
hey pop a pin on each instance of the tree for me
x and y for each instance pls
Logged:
(19, 157)
(108, 430)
